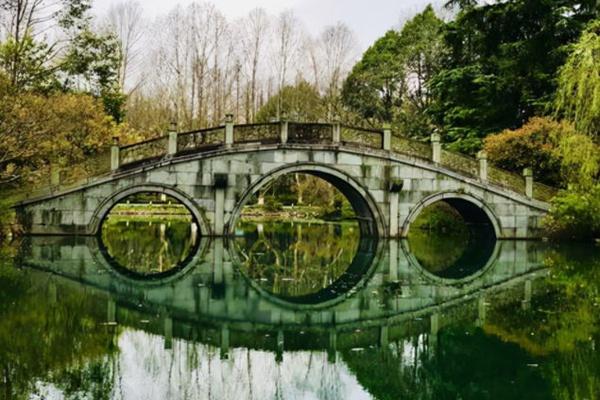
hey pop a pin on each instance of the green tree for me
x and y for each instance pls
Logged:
(502, 65)
(300, 102)
(92, 64)
(578, 96)
(389, 83)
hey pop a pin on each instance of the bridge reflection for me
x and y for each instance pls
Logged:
(383, 293)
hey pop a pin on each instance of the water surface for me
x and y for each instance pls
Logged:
(296, 310)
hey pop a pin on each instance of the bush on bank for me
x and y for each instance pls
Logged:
(575, 215)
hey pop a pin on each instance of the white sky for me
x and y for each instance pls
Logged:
(369, 19)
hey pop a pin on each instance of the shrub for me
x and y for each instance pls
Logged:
(536, 144)
(575, 215)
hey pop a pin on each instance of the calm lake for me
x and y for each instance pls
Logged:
(151, 310)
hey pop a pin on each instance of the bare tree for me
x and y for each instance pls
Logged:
(287, 41)
(252, 37)
(126, 21)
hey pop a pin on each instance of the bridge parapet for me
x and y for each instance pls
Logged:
(284, 132)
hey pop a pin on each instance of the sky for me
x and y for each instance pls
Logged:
(369, 19)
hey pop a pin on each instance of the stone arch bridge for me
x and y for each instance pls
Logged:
(387, 179)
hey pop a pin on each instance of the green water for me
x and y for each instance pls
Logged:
(296, 311)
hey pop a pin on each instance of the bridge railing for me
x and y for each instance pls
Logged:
(315, 133)
(354, 136)
(203, 139)
(148, 150)
(257, 133)
(128, 156)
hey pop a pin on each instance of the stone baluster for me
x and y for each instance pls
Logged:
(436, 148)
(483, 165)
(229, 130)
(55, 173)
(337, 131)
(387, 137)
(114, 154)
(528, 174)
(172, 148)
(284, 128)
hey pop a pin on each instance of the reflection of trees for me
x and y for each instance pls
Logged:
(51, 333)
(561, 325)
(464, 364)
(147, 247)
(297, 259)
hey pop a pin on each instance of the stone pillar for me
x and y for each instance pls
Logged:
(387, 137)
(168, 332)
(527, 292)
(434, 324)
(111, 312)
(332, 348)
(280, 346)
(384, 337)
(337, 131)
(283, 138)
(172, 150)
(528, 174)
(393, 262)
(229, 129)
(481, 311)
(54, 175)
(395, 186)
(220, 187)
(225, 342)
(436, 148)
(114, 154)
(483, 166)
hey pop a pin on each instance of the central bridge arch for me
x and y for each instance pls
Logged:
(369, 215)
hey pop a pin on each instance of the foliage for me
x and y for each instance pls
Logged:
(558, 154)
(440, 217)
(92, 63)
(578, 96)
(389, 84)
(37, 130)
(535, 145)
(575, 214)
(502, 64)
(25, 63)
(300, 102)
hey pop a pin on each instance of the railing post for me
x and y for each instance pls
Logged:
(54, 175)
(283, 138)
(337, 131)
(387, 137)
(436, 148)
(114, 154)
(483, 166)
(528, 174)
(172, 150)
(229, 129)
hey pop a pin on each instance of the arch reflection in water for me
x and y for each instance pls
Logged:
(452, 239)
(304, 263)
(149, 235)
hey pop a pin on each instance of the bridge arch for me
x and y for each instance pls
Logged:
(107, 205)
(370, 217)
(471, 208)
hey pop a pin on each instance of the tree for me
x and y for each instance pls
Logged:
(578, 95)
(390, 83)
(377, 82)
(126, 22)
(300, 102)
(502, 64)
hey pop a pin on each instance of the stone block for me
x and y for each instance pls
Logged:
(349, 159)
